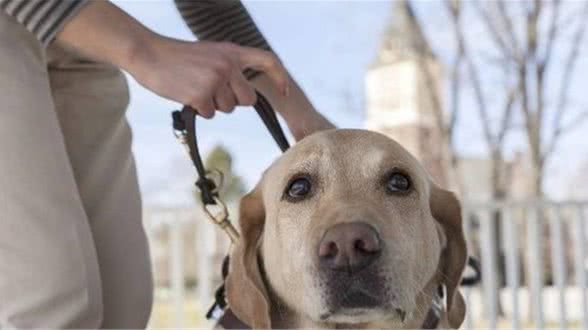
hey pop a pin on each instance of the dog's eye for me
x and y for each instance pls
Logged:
(298, 188)
(398, 183)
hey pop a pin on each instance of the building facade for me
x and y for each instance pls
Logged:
(400, 94)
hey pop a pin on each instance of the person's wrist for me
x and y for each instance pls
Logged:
(296, 109)
(307, 123)
(303, 119)
(140, 50)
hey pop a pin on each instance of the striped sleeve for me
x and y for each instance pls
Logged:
(43, 18)
(222, 20)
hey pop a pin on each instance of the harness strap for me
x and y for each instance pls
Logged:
(228, 320)
(476, 277)
(433, 317)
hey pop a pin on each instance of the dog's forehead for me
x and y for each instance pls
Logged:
(351, 151)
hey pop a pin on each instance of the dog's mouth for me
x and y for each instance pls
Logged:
(354, 297)
(357, 294)
(354, 317)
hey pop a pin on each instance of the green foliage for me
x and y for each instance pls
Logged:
(220, 159)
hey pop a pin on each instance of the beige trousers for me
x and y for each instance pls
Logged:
(73, 252)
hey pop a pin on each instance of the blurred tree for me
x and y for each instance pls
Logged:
(220, 159)
(532, 47)
(527, 35)
(444, 120)
(494, 136)
(529, 51)
(537, 45)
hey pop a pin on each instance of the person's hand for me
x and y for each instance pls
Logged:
(204, 75)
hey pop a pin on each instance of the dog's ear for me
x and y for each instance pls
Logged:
(446, 209)
(246, 292)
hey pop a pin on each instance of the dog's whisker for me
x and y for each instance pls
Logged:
(418, 308)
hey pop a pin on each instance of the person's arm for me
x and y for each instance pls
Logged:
(205, 75)
(42, 18)
(214, 20)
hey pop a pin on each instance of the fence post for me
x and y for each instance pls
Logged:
(580, 256)
(203, 251)
(489, 278)
(558, 262)
(177, 271)
(511, 252)
(535, 272)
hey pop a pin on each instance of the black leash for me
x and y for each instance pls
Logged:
(184, 124)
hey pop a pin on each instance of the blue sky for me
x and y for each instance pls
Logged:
(327, 46)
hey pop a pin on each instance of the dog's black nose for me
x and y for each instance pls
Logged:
(349, 247)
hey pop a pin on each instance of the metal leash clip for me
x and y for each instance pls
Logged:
(220, 216)
(184, 125)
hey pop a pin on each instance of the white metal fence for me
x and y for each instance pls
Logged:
(534, 258)
(534, 265)
(177, 236)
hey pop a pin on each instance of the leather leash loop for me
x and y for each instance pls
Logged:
(269, 118)
(184, 124)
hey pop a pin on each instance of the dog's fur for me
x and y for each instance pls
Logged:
(274, 279)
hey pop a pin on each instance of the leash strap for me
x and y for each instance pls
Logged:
(269, 118)
(435, 312)
(184, 123)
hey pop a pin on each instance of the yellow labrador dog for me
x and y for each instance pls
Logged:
(346, 229)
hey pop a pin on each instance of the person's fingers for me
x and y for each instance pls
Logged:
(204, 107)
(224, 99)
(267, 62)
(242, 90)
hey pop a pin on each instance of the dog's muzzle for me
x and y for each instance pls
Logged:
(347, 262)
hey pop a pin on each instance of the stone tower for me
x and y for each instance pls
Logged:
(398, 93)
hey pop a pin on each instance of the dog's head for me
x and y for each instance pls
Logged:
(347, 228)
